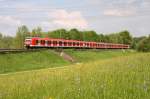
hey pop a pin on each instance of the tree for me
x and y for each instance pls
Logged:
(122, 37)
(136, 41)
(144, 45)
(90, 36)
(114, 38)
(33, 33)
(125, 37)
(101, 38)
(75, 34)
(39, 31)
(1, 40)
(59, 33)
(1, 35)
(22, 32)
(7, 42)
(36, 32)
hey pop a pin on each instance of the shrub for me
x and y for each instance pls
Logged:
(144, 45)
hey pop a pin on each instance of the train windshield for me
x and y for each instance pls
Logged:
(28, 41)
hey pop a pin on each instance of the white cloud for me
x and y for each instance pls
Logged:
(29, 8)
(146, 4)
(64, 19)
(9, 21)
(119, 12)
(8, 25)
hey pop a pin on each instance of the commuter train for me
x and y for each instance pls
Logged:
(37, 42)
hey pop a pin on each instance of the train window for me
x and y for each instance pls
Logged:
(42, 42)
(65, 43)
(60, 42)
(91, 44)
(74, 43)
(77, 43)
(87, 44)
(36, 42)
(49, 42)
(54, 42)
(70, 43)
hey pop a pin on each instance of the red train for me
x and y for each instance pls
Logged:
(34, 42)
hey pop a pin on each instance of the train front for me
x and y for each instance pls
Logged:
(28, 42)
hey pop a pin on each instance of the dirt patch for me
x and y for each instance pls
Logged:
(65, 56)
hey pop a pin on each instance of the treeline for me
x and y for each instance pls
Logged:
(141, 43)
(123, 37)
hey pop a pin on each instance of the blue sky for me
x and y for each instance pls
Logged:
(103, 16)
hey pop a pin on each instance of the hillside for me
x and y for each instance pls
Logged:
(48, 59)
(92, 55)
(125, 77)
(29, 61)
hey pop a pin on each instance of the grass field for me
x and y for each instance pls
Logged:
(125, 77)
(47, 59)
(91, 55)
(28, 61)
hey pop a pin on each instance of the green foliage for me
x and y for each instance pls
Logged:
(102, 38)
(144, 45)
(90, 36)
(6, 41)
(125, 37)
(115, 78)
(22, 32)
(1, 36)
(122, 37)
(37, 32)
(75, 34)
(60, 33)
(136, 40)
(113, 38)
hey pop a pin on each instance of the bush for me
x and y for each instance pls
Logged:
(144, 45)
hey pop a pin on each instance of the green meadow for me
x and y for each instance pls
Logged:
(29, 61)
(122, 76)
(48, 59)
(92, 55)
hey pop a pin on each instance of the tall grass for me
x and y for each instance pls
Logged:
(117, 78)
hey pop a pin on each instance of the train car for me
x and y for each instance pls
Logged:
(36, 42)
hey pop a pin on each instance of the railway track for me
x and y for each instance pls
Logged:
(17, 50)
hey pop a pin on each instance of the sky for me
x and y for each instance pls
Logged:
(102, 16)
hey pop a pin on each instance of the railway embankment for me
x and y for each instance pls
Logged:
(15, 62)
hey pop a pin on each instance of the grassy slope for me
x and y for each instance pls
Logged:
(117, 78)
(85, 56)
(28, 61)
(47, 59)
